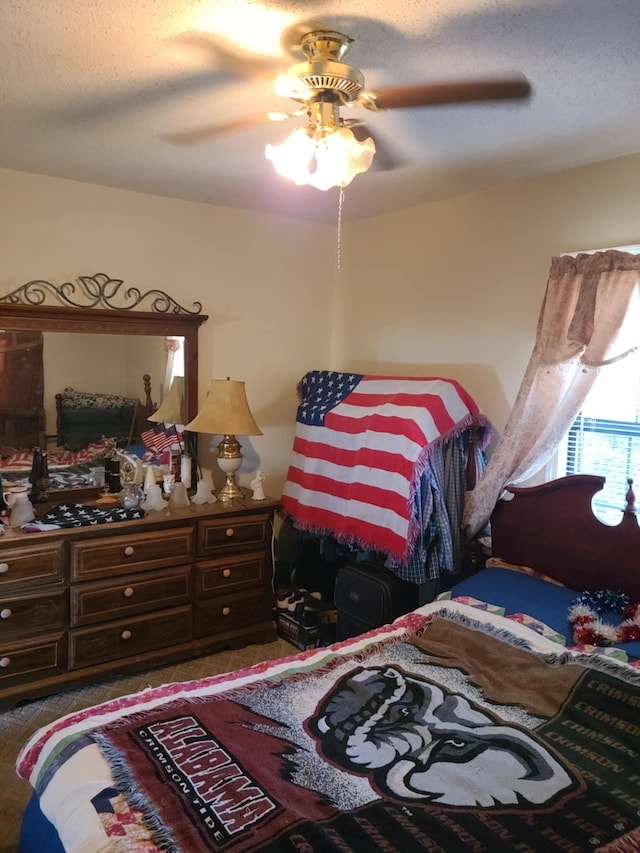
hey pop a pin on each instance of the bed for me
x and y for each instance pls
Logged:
(475, 722)
(84, 420)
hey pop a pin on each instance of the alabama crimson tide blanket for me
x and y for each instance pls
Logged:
(449, 737)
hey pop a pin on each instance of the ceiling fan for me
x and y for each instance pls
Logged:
(324, 85)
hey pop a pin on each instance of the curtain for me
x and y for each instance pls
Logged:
(590, 317)
(172, 346)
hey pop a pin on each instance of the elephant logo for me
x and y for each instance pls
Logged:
(417, 742)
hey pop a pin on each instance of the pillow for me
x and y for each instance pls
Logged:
(518, 592)
(496, 562)
(72, 399)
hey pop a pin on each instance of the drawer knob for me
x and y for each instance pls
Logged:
(226, 611)
(4, 567)
(128, 592)
(128, 551)
(4, 662)
(226, 573)
(5, 613)
(126, 635)
(229, 531)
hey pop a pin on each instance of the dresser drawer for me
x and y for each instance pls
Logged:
(102, 600)
(216, 536)
(228, 612)
(35, 612)
(230, 573)
(31, 564)
(129, 553)
(32, 659)
(129, 637)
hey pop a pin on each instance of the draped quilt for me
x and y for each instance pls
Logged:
(446, 735)
(361, 445)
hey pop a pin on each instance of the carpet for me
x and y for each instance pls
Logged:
(19, 723)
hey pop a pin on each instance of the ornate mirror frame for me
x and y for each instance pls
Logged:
(101, 305)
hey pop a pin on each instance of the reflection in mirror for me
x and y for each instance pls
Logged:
(104, 365)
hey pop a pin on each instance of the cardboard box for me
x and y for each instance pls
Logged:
(303, 637)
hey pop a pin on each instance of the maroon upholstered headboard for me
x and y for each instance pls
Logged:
(552, 529)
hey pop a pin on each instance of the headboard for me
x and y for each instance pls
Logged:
(552, 529)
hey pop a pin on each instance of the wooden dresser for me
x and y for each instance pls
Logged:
(83, 604)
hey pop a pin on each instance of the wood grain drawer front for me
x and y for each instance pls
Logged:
(135, 552)
(230, 573)
(31, 564)
(102, 600)
(129, 637)
(33, 659)
(39, 612)
(228, 612)
(226, 534)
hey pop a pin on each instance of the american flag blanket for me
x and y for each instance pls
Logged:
(360, 448)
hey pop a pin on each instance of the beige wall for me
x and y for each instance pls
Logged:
(269, 315)
(452, 288)
(455, 288)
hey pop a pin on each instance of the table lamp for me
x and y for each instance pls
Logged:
(171, 409)
(226, 412)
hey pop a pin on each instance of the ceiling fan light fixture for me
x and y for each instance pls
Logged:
(321, 160)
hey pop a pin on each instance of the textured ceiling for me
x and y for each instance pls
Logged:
(90, 89)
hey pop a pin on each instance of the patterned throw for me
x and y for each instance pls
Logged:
(360, 447)
(412, 743)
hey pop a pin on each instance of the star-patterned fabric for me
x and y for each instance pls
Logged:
(77, 515)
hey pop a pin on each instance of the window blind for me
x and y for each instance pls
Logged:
(605, 437)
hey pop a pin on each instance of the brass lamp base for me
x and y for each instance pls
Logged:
(229, 460)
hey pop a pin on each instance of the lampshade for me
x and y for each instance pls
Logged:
(225, 411)
(171, 409)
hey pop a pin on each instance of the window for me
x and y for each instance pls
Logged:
(176, 347)
(605, 437)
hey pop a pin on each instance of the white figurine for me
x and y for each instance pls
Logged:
(258, 488)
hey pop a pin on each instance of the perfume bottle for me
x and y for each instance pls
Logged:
(131, 495)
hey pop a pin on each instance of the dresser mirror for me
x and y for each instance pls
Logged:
(102, 340)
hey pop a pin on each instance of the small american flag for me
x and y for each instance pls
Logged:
(160, 437)
(360, 447)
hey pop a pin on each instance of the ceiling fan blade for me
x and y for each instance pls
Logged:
(434, 94)
(144, 96)
(199, 134)
(384, 160)
(252, 67)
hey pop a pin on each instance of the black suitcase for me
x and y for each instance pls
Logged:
(367, 597)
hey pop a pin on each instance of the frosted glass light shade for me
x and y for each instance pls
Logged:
(321, 161)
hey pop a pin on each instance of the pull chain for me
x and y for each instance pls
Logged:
(339, 246)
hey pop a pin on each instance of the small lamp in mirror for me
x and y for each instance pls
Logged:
(226, 412)
(171, 409)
